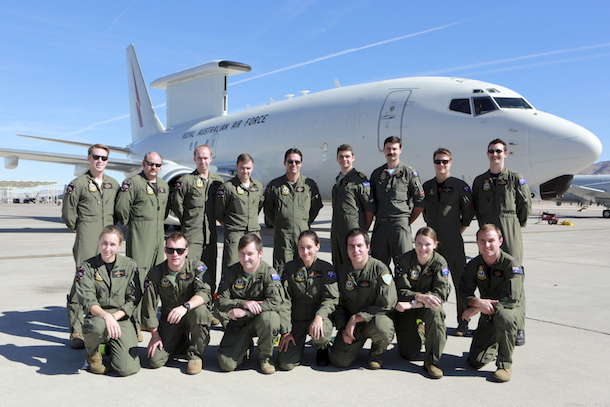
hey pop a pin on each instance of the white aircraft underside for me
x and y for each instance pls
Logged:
(426, 113)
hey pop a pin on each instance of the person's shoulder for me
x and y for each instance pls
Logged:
(276, 182)
(214, 177)
(379, 170)
(310, 182)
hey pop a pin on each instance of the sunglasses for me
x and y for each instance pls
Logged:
(498, 151)
(171, 250)
(153, 164)
(293, 162)
(441, 162)
(97, 157)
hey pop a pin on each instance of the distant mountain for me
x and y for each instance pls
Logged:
(602, 167)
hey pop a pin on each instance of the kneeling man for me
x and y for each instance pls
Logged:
(251, 293)
(499, 278)
(186, 301)
(366, 295)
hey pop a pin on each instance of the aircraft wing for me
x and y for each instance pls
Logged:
(12, 157)
(588, 192)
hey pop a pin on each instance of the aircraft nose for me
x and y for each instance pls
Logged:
(553, 139)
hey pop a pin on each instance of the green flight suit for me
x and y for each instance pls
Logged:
(290, 209)
(309, 292)
(143, 207)
(86, 209)
(351, 199)
(192, 201)
(496, 333)
(238, 207)
(174, 289)
(507, 204)
(371, 295)
(395, 196)
(237, 288)
(446, 211)
(116, 290)
(413, 278)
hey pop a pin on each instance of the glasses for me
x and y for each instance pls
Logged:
(171, 250)
(498, 151)
(441, 162)
(153, 164)
(297, 162)
(97, 157)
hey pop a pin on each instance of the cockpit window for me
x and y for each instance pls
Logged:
(483, 105)
(513, 103)
(460, 105)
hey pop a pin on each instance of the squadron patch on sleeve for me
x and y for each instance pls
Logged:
(178, 184)
(70, 188)
(517, 270)
(126, 186)
(366, 184)
(221, 192)
(387, 278)
(467, 188)
(275, 277)
(331, 274)
(202, 268)
(445, 271)
(147, 283)
(522, 181)
(80, 272)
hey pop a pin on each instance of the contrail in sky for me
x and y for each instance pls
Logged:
(347, 51)
(502, 61)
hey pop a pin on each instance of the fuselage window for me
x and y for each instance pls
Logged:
(460, 105)
(513, 103)
(483, 105)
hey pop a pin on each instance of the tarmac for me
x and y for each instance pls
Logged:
(565, 362)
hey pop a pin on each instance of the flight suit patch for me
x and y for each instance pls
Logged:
(415, 174)
(486, 186)
(184, 276)
(365, 284)
(300, 189)
(366, 184)
(126, 185)
(344, 182)
(70, 188)
(431, 192)
(349, 285)
(118, 273)
(285, 190)
(300, 276)
(448, 189)
(98, 277)
(428, 272)
(146, 283)
(92, 186)
(275, 277)
(383, 175)
(161, 190)
(414, 274)
(331, 274)
(253, 188)
(80, 272)
(481, 273)
(240, 190)
(387, 278)
(313, 274)
(240, 283)
(201, 268)
(502, 182)
(199, 183)
(165, 282)
(522, 181)
(149, 190)
(445, 271)
(221, 192)
(178, 184)
(107, 185)
(467, 188)
(517, 270)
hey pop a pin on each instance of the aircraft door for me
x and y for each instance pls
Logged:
(392, 113)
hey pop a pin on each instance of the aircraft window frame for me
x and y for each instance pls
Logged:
(508, 103)
(461, 106)
(490, 107)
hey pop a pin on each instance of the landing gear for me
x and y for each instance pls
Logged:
(606, 213)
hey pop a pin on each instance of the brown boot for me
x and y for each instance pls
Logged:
(193, 366)
(96, 363)
(503, 375)
(434, 371)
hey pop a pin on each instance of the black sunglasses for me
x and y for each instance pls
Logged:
(171, 250)
(297, 162)
(153, 164)
(97, 157)
(441, 162)
(495, 151)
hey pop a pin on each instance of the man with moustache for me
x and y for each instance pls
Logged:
(399, 196)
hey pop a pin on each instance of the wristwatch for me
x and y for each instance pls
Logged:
(414, 303)
(187, 306)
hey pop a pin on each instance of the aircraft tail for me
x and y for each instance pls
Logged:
(144, 120)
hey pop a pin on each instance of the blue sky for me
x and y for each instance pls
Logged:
(63, 70)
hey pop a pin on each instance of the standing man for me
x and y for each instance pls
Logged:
(366, 295)
(186, 303)
(251, 293)
(499, 279)
(353, 204)
(399, 196)
(448, 209)
(502, 197)
(142, 205)
(292, 203)
(88, 207)
(192, 200)
(238, 202)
